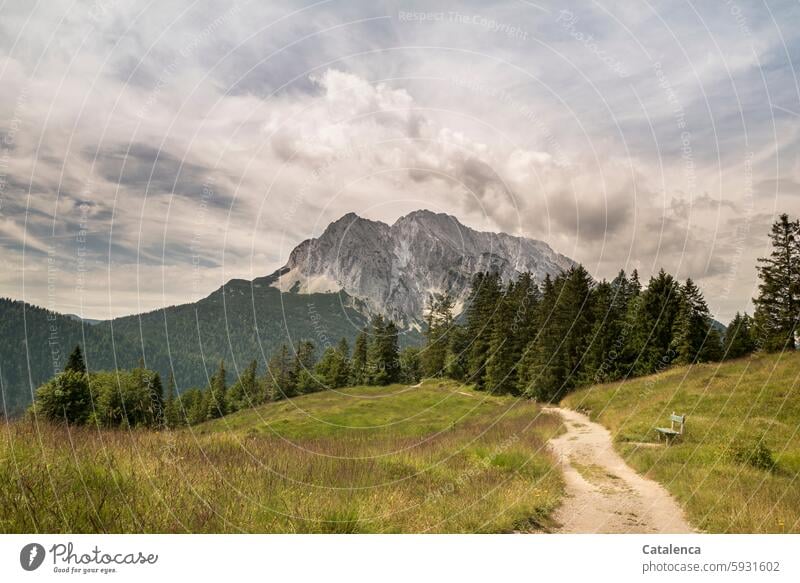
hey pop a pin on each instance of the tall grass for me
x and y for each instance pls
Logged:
(737, 469)
(440, 458)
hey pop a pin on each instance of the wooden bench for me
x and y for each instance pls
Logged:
(670, 433)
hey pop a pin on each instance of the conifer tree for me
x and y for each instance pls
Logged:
(778, 301)
(332, 370)
(156, 405)
(383, 365)
(692, 325)
(653, 321)
(172, 413)
(75, 362)
(341, 372)
(245, 391)
(358, 362)
(485, 295)
(280, 375)
(410, 367)
(501, 364)
(457, 353)
(739, 339)
(197, 405)
(304, 363)
(439, 321)
(217, 394)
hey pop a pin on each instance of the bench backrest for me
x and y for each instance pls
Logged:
(679, 419)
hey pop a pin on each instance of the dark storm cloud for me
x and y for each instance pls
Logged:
(145, 169)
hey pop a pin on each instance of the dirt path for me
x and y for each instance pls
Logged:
(604, 494)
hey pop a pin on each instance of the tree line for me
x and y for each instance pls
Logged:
(536, 340)
(136, 397)
(544, 340)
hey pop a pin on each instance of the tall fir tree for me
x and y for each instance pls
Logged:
(217, 398)
(358, 362)
(304, 364)
(383, 366)
(501, 364)
(341, 372)
(652, 321)
(543, 367)
(245, 392)
(778, 301)
(75, 362)
(280, 377)
(438, 324)
(456, 363)
(172, 414)
(485, 295)
(739, 339)
(692, 325)
(332, 370)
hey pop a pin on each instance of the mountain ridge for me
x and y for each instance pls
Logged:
(394, 268)
(376, 266)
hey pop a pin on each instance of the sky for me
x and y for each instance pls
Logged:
(151, 151)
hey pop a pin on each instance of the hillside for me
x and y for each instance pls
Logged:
(439, 457)
(239, 322)
(718, 471)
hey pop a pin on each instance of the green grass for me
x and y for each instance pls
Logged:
(437, 458)
(731, 408)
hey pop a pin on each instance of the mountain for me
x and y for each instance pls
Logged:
(327, 290)
(394, 269)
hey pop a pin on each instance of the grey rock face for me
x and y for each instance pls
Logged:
(394, 269)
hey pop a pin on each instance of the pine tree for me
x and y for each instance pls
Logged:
(333, 369)
(383, 366)
(691, 326)
(485, 295)
(600, 354)
(358, 362)
(304, 363)
(341, 372)
(778, 300)
(457, 353)
(553, 364)
(652, 324)
(375, 375)
(501, 373)
(172, 413)
(439, 321)
(245, 391)
(543, 368)
(634, 286)
(739, 339)
(196, 405)
(217, 400)
(410, 365)
(75, 362)
(281, 381)
(577, 310)
(156, 409)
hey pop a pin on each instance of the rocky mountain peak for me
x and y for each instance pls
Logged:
(394, 269)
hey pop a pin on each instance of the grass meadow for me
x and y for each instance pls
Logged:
(737, 469)
(435, 458)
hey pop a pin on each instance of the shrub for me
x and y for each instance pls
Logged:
(756, 455)
(65, 397)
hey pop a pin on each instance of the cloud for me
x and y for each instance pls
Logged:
(223, 135)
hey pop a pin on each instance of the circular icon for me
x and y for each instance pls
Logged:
(31, 556)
